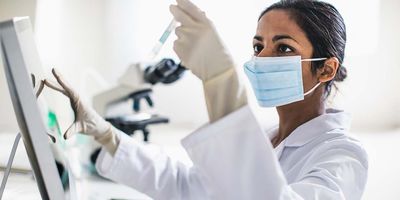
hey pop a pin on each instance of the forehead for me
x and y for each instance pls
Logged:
(278, 22)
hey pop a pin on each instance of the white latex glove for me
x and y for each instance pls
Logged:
(87, 121)
(201, 50)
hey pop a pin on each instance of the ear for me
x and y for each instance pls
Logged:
(329, 70)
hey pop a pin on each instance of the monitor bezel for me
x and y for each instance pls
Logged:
(27, 112)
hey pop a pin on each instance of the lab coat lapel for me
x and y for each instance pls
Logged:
(271, 133)
(331, 120)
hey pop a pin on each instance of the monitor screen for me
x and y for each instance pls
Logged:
(21, 60)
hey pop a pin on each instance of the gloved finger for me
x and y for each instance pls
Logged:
(52, 138)
(63, 83)
(185, 39)
(181, 51)
(188, 7)
(54, 87)
(76, 127)
(178, 48)
(181, 31)
(187, 34)
(181, 16)
(33, 80)
(40, 89)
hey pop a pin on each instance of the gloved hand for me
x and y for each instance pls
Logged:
(87, 121)
(201, 50)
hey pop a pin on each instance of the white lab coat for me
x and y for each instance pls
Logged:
(234, 159)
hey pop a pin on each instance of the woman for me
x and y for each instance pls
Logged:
(299, 49)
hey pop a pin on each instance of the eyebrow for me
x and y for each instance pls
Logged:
(275, 38)
(259, 38)
(281, 37)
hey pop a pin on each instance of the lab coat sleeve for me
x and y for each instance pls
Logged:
(236, 158)
(239, 162)
(152, 173)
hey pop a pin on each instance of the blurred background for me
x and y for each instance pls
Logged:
(93, 42)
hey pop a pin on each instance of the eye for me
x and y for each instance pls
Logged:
(257, 48)
(285, 49)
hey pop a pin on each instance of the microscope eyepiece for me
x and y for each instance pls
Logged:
(166, 71)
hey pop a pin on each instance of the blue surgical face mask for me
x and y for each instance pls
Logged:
(277, 81)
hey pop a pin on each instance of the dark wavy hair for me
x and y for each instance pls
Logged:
(324, 28)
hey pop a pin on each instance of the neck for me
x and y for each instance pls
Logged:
(295, 114)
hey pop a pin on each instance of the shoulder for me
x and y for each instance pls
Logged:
(339, 144)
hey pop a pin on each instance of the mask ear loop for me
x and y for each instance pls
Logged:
(319, 83)
(312, 89)
(314, 59)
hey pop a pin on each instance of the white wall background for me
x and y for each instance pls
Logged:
(372, 89)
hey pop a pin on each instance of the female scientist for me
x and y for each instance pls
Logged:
(299, 49)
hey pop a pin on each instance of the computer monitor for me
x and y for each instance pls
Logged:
(18, 56)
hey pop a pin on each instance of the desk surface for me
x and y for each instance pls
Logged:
(23, 187)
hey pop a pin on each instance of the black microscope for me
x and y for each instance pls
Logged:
(166, 72)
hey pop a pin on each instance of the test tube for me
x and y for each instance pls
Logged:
(157, 47)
